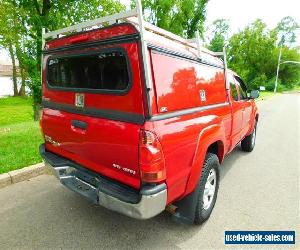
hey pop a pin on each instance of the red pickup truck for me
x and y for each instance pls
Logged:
(138, 121)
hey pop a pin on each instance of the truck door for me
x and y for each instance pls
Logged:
(237, 112)
(246, 103)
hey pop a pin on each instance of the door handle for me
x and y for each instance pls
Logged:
(79, 124)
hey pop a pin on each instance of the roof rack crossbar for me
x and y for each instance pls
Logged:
(150, 27)
(99, 21)
(193, 43)
(135, 16)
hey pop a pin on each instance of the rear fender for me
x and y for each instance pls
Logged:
(209, 135)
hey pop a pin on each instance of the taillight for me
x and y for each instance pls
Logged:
(151, 158)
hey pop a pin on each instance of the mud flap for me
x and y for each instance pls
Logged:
(186, 208)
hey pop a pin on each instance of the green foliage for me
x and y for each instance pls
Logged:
(289, 73)
(22, 21)
(270, 84)
(253, 54)
(182, 17)
(220, 29)
(260, 80)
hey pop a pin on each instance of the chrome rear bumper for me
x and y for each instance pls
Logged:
(143, 204)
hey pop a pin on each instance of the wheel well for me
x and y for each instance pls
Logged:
(217, 148)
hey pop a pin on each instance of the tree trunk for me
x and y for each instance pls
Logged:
(37, 108)
(22, 88)
(19, 55)
(14, 76)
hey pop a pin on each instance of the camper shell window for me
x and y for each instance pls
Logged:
(98, 71)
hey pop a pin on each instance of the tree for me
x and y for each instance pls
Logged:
(10, 37)
(286, 29)
(220, 29)
(182, 17)
(289, 73)
(30, 17)
(252, 53)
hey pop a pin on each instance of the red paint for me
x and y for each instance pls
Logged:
(178, 85)
(182, 141)
(94, 35)
(126, 103)
(78, 39)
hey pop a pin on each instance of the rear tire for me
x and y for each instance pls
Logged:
(248, 142)
(208, 188)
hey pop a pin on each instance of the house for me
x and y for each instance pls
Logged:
(6, 83)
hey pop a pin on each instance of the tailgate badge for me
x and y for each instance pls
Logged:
(79, 100)
(127, 170)
(50, 140)
(202, 95)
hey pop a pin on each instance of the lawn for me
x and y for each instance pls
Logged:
(20, 136)
(263, 95)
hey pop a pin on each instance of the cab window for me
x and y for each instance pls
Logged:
(234, 91)
(241, 87)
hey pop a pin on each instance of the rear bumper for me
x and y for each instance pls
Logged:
(143, 204)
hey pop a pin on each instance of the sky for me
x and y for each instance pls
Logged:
(242, 12)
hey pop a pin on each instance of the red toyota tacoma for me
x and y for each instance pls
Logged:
(138, 141)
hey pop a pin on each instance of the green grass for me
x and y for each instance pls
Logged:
(15, 110)
(19, 135)
(296, 88)
(263, 95)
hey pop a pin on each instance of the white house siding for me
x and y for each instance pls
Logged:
(6, 83)
(6, 86)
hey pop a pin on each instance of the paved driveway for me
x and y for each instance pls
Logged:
(259, 191)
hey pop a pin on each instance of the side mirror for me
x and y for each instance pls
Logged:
(254, 94)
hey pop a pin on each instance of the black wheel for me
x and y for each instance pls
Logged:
(248, 142)
(208, 188)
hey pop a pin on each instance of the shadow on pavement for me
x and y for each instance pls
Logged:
(78, 224)
(230, 160)
(55, 217)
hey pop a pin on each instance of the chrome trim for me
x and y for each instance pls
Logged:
(153, 201)
(187, 111)
(149, 205)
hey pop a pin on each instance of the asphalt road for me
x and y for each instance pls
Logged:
(258, 191)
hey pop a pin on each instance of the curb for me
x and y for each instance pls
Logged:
(23, 174)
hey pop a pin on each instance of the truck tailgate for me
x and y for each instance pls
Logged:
(108, 147)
